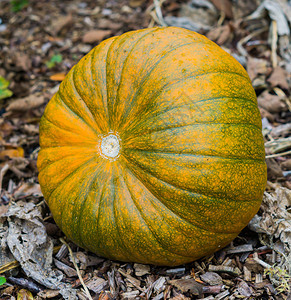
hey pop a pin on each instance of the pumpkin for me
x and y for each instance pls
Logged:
(151, 150)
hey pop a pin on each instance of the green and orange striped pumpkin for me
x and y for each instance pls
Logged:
(151, 150)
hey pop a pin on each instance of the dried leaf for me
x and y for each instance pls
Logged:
(136, 3)
(27, 189)
(58, 77)
(141, 269)
(279, 78)
(257, 66)
(11, 153)
(28, 241)
(224, 6)
(272, 103)
(62, 23)
(220, 34)
(276, 217)
(275, 12)
(27, 103)
(95, 36)
(24, 295)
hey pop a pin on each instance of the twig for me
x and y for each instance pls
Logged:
(158, 4)
(278, 154)
(221, 18)
(240, 47)
(274, 44)
(129, 278)
(77, 269)
(2, 173)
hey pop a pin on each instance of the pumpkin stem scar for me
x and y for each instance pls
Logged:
(110, 146)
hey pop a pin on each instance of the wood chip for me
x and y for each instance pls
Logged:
(240, 249)
(141, 269)
(211, 278)
(247, 274)
(225, 269)
(188, 285)
(69, 271)
(177, 271)
(244, 289)
(96, 284)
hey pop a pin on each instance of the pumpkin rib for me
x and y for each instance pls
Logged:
(117, 97)
(80, 98)
(169, 209)
(78, 93)
(79, 115)
(168, 85)
(117, 40)
(85, 199)
(208, 199)
(201, 123)
(99, 213)
(78, 202)
(63, 129)
(93, 67)
(119, 241)
(126, 186)
(132, 129)
(165, 248)
(124, 116)
(149, 173)
(70, 174)
(62, 102)
(244, 160)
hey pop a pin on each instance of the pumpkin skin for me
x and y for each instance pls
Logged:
(183, 168)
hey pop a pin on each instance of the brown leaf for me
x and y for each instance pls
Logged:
(188, 285)
(257, 66)
(11, 153)
(286, 165)
(220, 34)
(6, 129)
(94, 36)
(136, 3)
(27, 189)
(224, 6)
(279, 78)
(23, 61)
(272, 103)
(105, 23)
(3, 209)
(27, 103)
(58, 77)
(62, 24)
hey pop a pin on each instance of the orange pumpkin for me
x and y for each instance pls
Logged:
(151, 150)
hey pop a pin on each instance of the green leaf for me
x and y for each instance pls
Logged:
(2, 280)
(17, 5)
(4, 92)
(55, 59)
